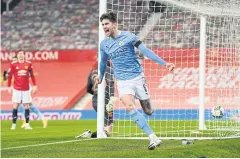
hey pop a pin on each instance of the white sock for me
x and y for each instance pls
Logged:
(151, 136)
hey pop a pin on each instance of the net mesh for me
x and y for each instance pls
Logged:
(173, 32)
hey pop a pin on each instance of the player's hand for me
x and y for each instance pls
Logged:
(10, 90)
(170, 66)
(97, 80)
(110, 105)
(5, 75)
(34, 89)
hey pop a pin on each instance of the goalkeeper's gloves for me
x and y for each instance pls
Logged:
(110, 105)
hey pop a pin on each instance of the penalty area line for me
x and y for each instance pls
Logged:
(52, 143)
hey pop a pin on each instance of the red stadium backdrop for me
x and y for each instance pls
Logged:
(180, 90)
(53, 55)
(62, 76)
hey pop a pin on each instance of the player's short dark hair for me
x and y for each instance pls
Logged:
(112, 16)
(20, 51)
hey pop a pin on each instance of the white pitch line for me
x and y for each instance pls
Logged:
(53, 143)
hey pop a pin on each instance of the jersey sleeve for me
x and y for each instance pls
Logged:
(103, 61)
(151, 55)
(134, 39)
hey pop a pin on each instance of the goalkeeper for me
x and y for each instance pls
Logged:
(109, 99)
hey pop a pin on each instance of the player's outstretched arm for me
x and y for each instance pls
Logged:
(151, 55)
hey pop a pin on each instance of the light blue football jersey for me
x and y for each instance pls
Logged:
(120, 51)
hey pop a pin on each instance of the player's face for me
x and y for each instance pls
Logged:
(108, 27)
(20, 56)
(14, 59)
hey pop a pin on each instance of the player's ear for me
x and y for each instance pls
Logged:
(115, 25)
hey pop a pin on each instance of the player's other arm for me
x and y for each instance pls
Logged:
(89, 84)
(5, 74)
(103, 64)
(10, 73)
(151, 55)
(31, 73)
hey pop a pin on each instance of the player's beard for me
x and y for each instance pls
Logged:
(113, 32)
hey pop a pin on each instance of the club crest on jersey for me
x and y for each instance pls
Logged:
(26, 67)
(121, 43)
(17, 67)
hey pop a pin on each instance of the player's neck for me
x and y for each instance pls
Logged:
(116, 33)
(21, 61)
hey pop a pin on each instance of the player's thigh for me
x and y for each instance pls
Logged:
(141, 89)
(142, 94)
(16, 96)
(129, 101)
(125, 87)
(26, 98)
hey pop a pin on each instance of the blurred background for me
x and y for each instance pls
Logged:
(60, 37)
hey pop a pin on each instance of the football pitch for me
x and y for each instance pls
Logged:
(57, 141)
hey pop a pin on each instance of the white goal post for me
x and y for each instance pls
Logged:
(101, 90)
(202, 37)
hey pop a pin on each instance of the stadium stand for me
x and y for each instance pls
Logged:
(73, 24)
(66, 26)
(51, 24)
(70, 24)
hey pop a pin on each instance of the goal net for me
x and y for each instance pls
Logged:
(202, 37)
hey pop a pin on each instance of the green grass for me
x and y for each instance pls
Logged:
(60, 131)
